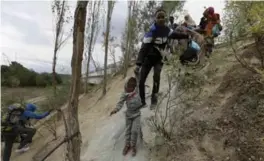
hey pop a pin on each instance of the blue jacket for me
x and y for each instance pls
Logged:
(157, 36)
(29, 112)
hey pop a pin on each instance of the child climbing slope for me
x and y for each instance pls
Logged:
(133, 103)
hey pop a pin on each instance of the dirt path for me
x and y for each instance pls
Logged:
(37, 99)
(102, 136)
(107, 142)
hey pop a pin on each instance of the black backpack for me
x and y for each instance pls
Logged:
(12, 119)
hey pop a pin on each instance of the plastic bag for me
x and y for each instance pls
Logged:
(195, 46)
(216, 30)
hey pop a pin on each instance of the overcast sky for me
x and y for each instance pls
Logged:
(27, 32)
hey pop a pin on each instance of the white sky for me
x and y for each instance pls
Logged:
(27, 35)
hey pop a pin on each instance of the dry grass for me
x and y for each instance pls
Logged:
(226, 121)
(26, 93)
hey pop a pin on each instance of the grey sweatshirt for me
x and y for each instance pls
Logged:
(133, 102)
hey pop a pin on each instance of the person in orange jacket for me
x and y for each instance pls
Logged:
(209, 20)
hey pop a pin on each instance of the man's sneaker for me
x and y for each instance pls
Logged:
(141, 134)
(23, 149)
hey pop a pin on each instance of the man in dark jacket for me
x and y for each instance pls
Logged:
(21, 129)
(150, 56)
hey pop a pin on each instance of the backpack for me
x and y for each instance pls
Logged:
(13, 118)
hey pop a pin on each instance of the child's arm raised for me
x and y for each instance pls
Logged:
(119, 104)
(121, 101)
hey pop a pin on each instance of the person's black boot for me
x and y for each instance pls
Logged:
(154, 101)
(143, 105)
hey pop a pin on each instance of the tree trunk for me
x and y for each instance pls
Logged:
(126, 58)
(74, 144)
(56, 47)
(88, 66)
(87, 73)
(94, 63)
(54, 82)
(115, 65)
(89, 54)
(90, 48)
(106, 46)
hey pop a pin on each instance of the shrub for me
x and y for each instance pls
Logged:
(16, 75)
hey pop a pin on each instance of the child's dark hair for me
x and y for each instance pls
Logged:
(160, 10)
(132, 82)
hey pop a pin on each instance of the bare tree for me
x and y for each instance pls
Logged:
(110, 8)
(112, 48)
(6, 58)
(128, 39)
(172, 6)
(130, 35)
(59, 10)
(92, 34)
(96, 64)
(72, 126)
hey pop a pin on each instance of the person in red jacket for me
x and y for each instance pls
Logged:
(209, 20)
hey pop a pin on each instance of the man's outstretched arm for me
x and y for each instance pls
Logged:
(145, 46)
(178, 35)
(33, 115)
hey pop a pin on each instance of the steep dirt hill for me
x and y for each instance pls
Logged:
(225, 122)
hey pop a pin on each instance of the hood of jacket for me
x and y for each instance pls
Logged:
(30, 107)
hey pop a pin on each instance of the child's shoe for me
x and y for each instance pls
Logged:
(126, 149)
(134, 151)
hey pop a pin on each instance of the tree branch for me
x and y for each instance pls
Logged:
(66, 139)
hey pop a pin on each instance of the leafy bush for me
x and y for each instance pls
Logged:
(41, 80)
(16, 75)
(13, 81)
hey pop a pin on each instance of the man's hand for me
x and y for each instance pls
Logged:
(136, 70)
(113, 112)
